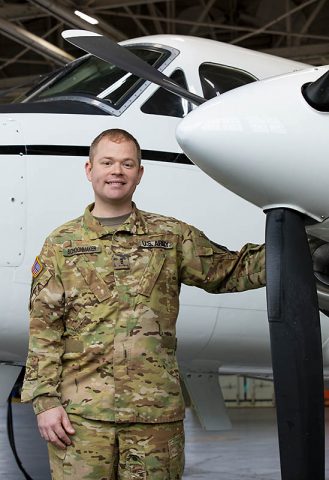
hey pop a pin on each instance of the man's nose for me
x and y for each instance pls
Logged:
(117, 168)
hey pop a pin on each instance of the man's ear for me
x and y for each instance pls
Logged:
(140, 174)
(88, 168)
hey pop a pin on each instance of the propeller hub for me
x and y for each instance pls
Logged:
(317, 93)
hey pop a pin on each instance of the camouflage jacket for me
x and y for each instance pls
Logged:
(104, 304)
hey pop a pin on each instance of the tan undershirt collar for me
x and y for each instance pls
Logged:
(113, 221)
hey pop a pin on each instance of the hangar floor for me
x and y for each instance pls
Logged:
(248, 451)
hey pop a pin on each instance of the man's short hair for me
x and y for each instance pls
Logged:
(116, 135)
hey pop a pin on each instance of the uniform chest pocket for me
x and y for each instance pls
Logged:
(94, 281)
(151, 273)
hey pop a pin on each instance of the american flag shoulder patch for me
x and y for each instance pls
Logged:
(37, 268)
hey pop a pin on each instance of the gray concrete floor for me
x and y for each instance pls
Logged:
(248, 452)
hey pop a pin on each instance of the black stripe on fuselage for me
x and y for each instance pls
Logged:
(81, 151)
(13, 150)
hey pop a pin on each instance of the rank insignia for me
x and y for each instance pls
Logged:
(37, 268)
(121, 262)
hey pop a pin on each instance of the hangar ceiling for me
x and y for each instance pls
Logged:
(31, 44)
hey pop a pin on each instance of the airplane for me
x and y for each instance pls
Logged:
(43, 146)
(291, 189)
(292, 303)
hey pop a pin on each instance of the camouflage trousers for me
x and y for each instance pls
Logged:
(108, 451)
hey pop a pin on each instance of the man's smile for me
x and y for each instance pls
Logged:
(115, 182)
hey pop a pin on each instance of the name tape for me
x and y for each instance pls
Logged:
(69, 252)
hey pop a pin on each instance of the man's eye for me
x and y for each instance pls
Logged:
(128, 164)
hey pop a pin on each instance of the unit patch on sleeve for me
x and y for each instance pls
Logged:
(37, 268)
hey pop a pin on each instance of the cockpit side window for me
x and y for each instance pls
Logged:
(166, 103)
(217, 79)
(104, 81)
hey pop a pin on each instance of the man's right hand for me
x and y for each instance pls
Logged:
(55, 426)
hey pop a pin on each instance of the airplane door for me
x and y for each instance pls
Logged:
(12, 194)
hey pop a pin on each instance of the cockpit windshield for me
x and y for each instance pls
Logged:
(96, 79)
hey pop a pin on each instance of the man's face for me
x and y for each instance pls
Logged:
(115, 172)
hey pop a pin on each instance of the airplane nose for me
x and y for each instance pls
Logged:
(264, 142)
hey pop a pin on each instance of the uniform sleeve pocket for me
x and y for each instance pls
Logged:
(151, 273)
(203, 247)
(39, 284)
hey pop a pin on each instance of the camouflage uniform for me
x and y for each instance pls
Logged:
(104, 304)
(107, 451)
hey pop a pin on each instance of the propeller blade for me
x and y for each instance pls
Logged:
(109, 51)
(296, 346)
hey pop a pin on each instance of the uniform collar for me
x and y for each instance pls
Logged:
(135, 224)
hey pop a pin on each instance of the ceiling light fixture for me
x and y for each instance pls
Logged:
(86, 17)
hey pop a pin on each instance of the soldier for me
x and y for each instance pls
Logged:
(101, 369)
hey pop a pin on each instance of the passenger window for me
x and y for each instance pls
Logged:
(217, 79)
(165, 103)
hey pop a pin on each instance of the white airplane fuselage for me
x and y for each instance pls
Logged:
(40, 192)
(40, 189)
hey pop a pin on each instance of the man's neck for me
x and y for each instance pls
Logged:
(110, 211)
